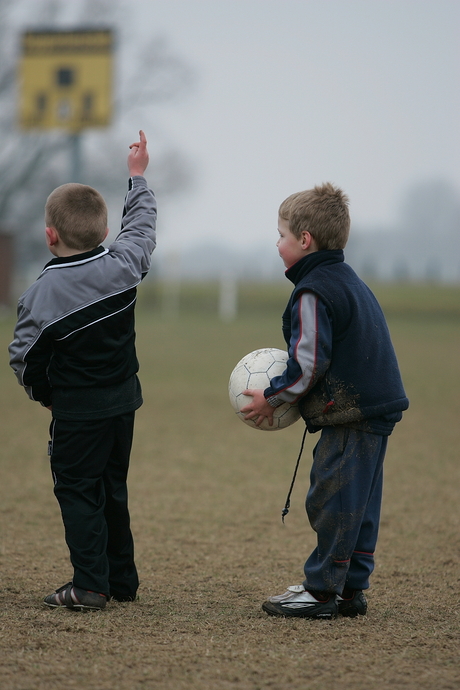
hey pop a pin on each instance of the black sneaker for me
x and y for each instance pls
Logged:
(352, 603)
(122, 597)
(75, 598)
(301, 603)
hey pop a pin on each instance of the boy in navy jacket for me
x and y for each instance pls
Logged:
(342, 371)
(74, 352)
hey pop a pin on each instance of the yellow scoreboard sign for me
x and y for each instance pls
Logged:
(66, 79)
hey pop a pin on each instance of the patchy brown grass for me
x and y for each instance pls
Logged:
(206, 497)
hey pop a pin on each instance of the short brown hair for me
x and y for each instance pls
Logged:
(322, 211)
(79, 214)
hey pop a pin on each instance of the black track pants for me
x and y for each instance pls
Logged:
(89, 461)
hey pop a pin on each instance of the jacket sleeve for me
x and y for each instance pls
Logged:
(309, 351)
(30, 355)
(137, 237)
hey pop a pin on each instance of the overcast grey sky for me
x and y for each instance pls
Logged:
(290, 93)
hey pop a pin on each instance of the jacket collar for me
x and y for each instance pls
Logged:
(324, 257)
(75, 259)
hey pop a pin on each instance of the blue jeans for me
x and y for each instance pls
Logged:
(343, 506)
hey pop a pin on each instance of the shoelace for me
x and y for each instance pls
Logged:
(287, 505)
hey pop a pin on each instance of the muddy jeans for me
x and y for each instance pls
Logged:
(343, 506)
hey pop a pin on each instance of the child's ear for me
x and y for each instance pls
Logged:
(106, 233)
(306, 239)
(52, 236)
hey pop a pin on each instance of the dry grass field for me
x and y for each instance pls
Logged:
(206, 494)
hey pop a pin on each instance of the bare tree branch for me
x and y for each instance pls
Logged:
(33, 163)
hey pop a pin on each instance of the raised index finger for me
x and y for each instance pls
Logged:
(143, 139)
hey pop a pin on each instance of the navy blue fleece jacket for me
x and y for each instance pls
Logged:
(342, 368)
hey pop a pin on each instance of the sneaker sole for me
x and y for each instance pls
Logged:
(75, 607)
(313, 612)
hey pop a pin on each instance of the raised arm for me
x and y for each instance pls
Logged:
(138, 225)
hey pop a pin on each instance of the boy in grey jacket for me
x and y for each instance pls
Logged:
(74, 352)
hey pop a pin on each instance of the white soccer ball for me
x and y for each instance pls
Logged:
(255, 371)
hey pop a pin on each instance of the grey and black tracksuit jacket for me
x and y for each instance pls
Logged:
(74, 342)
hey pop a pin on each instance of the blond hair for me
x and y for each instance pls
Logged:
(79, 214)
(322, 211)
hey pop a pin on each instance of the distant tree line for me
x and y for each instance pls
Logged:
(33, 163)
(425, 244)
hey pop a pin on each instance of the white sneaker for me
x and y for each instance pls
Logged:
(297, 601)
